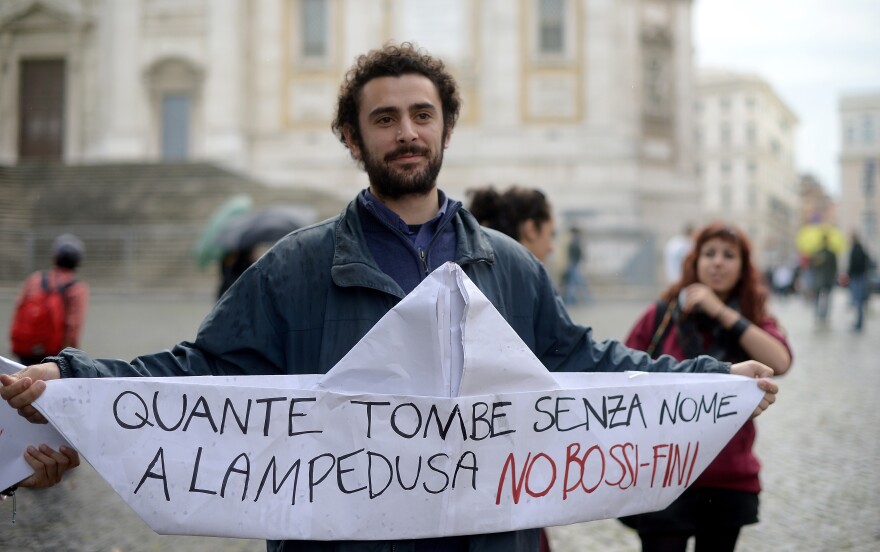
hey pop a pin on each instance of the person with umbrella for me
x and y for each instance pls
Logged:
(236, 235)
(207, 250)
(246, 237)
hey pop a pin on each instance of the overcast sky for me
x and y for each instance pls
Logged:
(810, 51)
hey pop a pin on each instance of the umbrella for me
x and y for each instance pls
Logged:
(810, 237)
(266, 225)
(206, 249)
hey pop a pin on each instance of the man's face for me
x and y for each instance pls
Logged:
(401, 135)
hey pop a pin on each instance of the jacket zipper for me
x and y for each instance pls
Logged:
(424, 259)
(421, 253)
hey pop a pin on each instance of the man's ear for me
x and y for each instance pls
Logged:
(448, 136)
(351, 141)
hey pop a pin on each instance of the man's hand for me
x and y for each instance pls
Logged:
(49, 465)
(754, 369)
(21, 389)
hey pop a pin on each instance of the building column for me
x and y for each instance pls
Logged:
(225, 83)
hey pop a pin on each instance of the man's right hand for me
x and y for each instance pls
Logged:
(21, 389)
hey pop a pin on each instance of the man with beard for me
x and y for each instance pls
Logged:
(318, 291)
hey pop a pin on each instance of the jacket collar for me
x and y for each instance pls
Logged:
(354, 266)
(472, 245)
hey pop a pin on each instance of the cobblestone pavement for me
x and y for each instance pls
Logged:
(819, 444)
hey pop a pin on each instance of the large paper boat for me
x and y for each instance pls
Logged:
(440, 421)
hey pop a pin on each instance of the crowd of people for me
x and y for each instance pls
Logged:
(318, 291)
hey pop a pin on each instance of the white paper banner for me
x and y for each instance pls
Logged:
(380, 448)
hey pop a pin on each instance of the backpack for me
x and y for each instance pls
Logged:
(38, 326)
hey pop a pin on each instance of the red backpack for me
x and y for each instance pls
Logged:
(38, 326)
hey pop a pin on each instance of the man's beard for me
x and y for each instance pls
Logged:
(396, 182)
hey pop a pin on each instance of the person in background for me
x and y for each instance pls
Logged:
(857, 271)
(67, 254)
(524, 214)
(574, 286)
(717, 308)
(674, 252)
(232, 266)
(782, 278)
(823, 266)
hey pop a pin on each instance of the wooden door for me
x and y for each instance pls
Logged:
(41, 110)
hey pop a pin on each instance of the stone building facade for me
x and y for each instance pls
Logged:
(746, 146)
(589, 100)
(859, 167)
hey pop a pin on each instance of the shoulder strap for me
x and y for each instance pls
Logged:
(64, 287)
(65, 300)
(662, 317)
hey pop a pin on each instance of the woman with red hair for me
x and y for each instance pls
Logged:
(718, 308)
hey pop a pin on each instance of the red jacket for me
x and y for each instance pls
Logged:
(735, 467)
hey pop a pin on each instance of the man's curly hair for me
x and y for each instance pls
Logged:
(393, 61)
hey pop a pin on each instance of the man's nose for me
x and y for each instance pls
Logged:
(406, 132)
